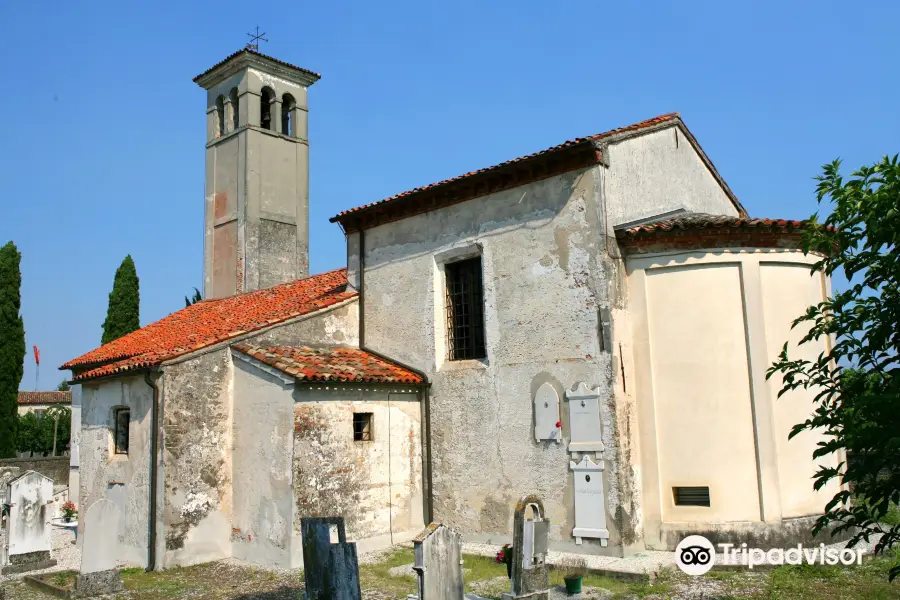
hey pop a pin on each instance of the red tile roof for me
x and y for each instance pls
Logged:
(346, 217)
(703, 231)
(45, 397)
(705, 221)
(212, 321)
(332, 364)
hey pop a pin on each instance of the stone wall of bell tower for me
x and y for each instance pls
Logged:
(257, 174)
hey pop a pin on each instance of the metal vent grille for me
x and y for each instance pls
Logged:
(691, 496)
(465, 310)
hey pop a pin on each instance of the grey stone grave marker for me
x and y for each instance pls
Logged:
(330, 566)
(100, 550)
(28, 502)
(530, 572)
(438, 552)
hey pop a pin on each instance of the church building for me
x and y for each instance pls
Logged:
(591, 323)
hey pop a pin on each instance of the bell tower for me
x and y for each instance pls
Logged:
(256, 232)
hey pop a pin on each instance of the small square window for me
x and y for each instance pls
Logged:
(122, 420)
(362, 427)
(691, 496)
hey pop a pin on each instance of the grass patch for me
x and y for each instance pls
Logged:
(378, 575)
(892, 517)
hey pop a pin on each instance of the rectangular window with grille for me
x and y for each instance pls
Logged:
(362, 427)
(691, 496)
(465, 310)
(122, 421)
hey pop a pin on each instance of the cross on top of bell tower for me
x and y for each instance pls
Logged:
(255, 39)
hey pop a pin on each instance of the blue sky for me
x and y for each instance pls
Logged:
(103, 137)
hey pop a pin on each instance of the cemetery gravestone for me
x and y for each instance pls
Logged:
(584, 419)
(546, 414)
(330, 566)
(590, 508)
(438, 553)
(28, 504)
(100, 549)
(530, 572)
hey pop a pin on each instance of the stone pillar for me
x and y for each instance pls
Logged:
(275, 115)
(229, 115)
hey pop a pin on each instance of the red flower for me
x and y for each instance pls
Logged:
(558, 424)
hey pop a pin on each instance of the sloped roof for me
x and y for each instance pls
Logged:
(332, 364)
(561, 158)
(312, 76)
(209, 322)
(45, 397)
(700, 230)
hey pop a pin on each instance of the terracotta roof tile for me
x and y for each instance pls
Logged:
(649, 123)
(209, 322)
(705, 221)
(332, 364)
(45, 397)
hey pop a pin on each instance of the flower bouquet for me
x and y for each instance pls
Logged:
(68, 511)
(505, 556)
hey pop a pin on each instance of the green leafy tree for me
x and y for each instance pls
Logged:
(123, 314)
(12, 347)
(193, 299)
(28, 433)
(63, 386)
(857, 381)
(58, 420)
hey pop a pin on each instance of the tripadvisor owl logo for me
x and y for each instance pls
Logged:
(695, 555)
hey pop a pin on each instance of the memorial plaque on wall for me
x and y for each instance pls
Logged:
(590, 503)
(546, 414)
(584, 419)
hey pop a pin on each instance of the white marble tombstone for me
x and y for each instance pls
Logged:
(101, 537)
(546, 414)
(590, 502)
(31, 502)
(584, 419)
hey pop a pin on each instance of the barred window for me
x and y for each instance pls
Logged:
(122, 420)
(362, 427)
(465, 310)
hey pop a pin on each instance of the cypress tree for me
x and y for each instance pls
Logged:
(123, 315)
(12, 348)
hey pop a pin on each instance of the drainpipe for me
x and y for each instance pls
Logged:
(154, 468)
(423, 390)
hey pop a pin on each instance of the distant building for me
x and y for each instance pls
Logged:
(38, 402)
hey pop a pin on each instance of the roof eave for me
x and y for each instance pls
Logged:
(246, 59)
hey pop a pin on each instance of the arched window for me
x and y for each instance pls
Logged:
(235, 108)
(288, 104)
(220, 116)
(265, 108)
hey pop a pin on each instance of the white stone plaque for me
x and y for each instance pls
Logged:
(546, 414)
(590, 502)
(584, 419)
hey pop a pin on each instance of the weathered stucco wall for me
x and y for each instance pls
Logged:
(548, 289)
(375, 485)
(198, 435)
(263, 450)
(123, 479)
(659, 172)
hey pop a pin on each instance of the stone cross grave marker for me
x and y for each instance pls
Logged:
(330, 564)
(530, 572)
(438, 552)
(100, 550)
(29, 502)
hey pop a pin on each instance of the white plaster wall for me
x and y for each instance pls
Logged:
(788, 290)
(653, 173)
(701, 391)
(101, 470)
(546, 280)
(261, 458)
(375, 485)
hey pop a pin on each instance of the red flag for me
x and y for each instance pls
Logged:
(37, 355)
